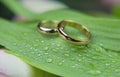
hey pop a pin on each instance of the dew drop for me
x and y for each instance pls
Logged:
(39, 54)
(113, 61)
(107, 64)
(117, 70)
(42, 41)
(94, 57)
(66, 54)
(94, 72)
(49, 60)
(101, 44)
(37, 40)
(96, 49)
(53, 44)
(110, 55)
(25, 33)
(14, 44)
(54, 50)
(72, 58)
(79, 55)
(31, 47)
(46, 48)
(61, 48)
(35, 45)
(79, 60)
(46, 53)
(83, 57)
(36, 49)
(58, 45)
(60, 63)
(33, 52)
(73, 66)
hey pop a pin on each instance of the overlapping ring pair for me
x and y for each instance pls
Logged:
(59, 28)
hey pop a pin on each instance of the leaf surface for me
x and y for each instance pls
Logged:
(52, 54)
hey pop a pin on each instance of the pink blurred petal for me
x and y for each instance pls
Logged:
(3, 75)
(111, 2)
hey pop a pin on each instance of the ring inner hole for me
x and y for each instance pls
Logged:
(73, 30)
(50, 24)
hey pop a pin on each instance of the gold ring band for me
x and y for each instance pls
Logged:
(42, 26)
(61, 27)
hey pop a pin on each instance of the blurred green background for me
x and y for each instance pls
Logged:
(93, 7)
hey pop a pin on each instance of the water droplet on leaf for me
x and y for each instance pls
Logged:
(79, 55)
(35, 45)
(66, 54)
(46, 48)
(42, 41)
(79, 60)
(39, 54)
(49, 60)
(72, 58)
(25, 33)
(14, 44)
(107, 64)
(37, 40)
(94, 72)
(60, 63)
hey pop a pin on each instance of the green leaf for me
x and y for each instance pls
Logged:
(54, 55)
(116, 11)
(105, 31)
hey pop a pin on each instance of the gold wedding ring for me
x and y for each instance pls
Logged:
(65, 36)
(48, 27)
(51, 27)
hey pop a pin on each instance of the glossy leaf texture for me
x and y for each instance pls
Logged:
(104, 30)
(52, 54)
